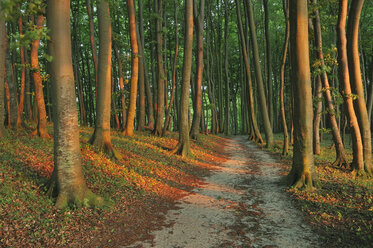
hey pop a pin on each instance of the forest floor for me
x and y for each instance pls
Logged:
(228, 191)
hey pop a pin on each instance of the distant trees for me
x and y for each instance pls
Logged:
(240, 81)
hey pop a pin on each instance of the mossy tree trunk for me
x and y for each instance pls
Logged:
(67, 179)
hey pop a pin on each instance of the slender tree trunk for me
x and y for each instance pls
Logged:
(3, 46)
(226, 70)
(42, 114)
(142, 112)
(92, 40)
(135, 70)
(285, 147)
(161, 74)
(356, 82)
(317, 117)
(67, 179)
(259, 79)
(199, 18)
(121, 86)
(340, 152)
(101, 137)
(302, 173)
(183, 147)
(256, 133)
(23, 77)
(269, 63)
(174, 70)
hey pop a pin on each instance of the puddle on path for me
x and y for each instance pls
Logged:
(241, 204)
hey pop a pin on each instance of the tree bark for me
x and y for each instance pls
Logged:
(42, 114)
(257, 136)
(356, 82)
(161, 75)
(101, 139)
(302, 174)
(259, 79)
(285, 147)
(183, 147)
(3, 46)
(92, 40)
(174, 71)
(269, 62)
(134, 72)
(23, 77)
(199, 18)
(67, 178)
(340, 152)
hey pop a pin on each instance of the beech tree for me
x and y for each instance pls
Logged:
(101, 137)
(135, 70)
(2, 74)
(183, 146)
(302, 173)
(357, 83)
(67, 179)
(259, 78)
(344, 77)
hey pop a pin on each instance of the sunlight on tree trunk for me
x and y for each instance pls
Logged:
(67, 179)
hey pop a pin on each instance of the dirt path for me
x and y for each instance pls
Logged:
(240, 205)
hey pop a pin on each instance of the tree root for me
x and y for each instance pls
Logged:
(182, 149)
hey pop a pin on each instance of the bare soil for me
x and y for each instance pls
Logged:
(242, 203)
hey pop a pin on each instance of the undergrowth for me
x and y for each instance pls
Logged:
(141, 187)
(342, 210)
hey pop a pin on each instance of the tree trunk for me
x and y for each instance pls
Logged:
(3, 46)
(256, 132)
(23, 77)
(317, 116)
(199, 18)
(285, 147)
(101, 139)
(92, 40)
(259, 79)
(67, 179)
(135, 70)
(42, 114)
(142, 112)
(340, 152)
(302, 173)
(174, 70)
(121, 86)
(356, 82)
(269, 63)
(183, 147)
(161, 74)
(226, 70)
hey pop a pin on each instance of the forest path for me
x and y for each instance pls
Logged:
(241, 204)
